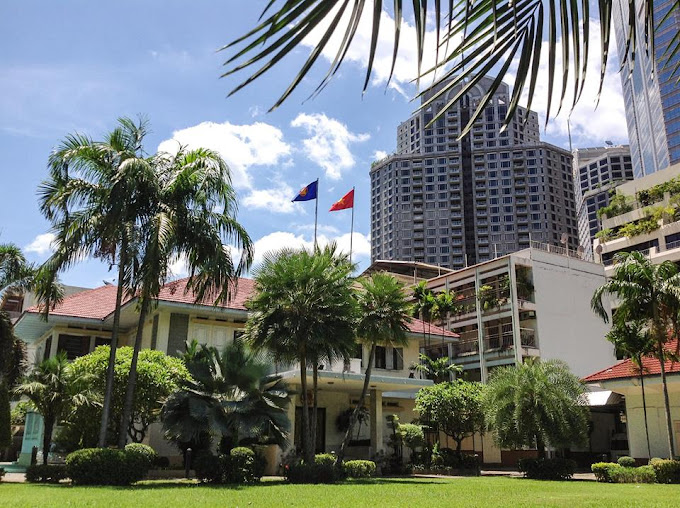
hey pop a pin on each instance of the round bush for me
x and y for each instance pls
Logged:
(626, 461)
(359, 468)
(667, 471)
(325, 458)
(105, 466)
(603, 470)
(144, 451)
(240, 466)
(310, 473)
(547, 469)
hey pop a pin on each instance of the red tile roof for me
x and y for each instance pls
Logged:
(176, 291)
(418, 326)
(95, 303)
(625, 368)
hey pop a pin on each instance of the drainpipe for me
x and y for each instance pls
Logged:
(514, 312)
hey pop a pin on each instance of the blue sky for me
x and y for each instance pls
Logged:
(78, 65)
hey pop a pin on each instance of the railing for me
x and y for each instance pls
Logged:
(555, 249)
(496, 342)
(465, 347)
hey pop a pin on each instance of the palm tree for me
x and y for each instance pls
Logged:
(438, 369)
(95, 194)
(303, 311)
(425, 305)
(232, 395)
(53, 390)
(634, 342)
(650, 295)
(384, 315)
(182, 222)
(472, 39)
(536, 403)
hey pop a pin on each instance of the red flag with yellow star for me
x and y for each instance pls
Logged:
(345, 202)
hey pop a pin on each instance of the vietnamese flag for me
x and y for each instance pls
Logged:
(345, 202)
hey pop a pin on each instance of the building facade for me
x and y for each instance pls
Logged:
(651, 95)
(457, 202)
(597, 171)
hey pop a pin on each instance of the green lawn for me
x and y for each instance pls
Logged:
(482, 492)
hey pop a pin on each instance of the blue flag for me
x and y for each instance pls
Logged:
(307, 193)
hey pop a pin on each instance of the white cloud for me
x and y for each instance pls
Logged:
(41, 244)
(277, 199)
(379, 154)
(179, 267)
(241, 146)
(329, 142)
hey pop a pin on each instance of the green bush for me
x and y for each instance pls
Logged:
(359, 468)
(311, 473)
(106, 466)
(667, 471)
(626, 461)
(145, 452)
(161, 462)
(602, 471)
(240, 466)
(207, 468)
(2, 473)
(547, 469)
(39, 473)
(643, 474)
(412, 435)
(325, 459)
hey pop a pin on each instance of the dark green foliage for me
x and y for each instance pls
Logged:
(2, 473)
(145, 452)
(547, 469)
(39, 473)
(18, 414)
(603, 470)
(359, 468)
(240, 466)
(667, 471)
(446, 458)
(300, 472)
(208, 468)
(106, 466)
(626, 461)
(5, 418)
(161, 462)
(642, 474)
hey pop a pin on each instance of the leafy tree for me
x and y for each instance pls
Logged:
(444, 304)
(303, 310)
(472, 39)
(425, 304)
(230, 395)
(158, 376)
(647, 294)
(634, 342)
(437, 369)
(454, 408)
(185, 190)
(537, 403)
(383, 317)
(95, 194)
(54, 389)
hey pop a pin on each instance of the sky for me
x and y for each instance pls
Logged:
(77, 65)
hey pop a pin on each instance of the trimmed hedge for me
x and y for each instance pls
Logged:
(359, 468)
(311, 473)
(547, 469)
(2, 473)
(106, 466)
(626, 461)
(325, 459)
(207, 468)
(642, 474)
(241, 465)
(666, 470)
(39, 473)
(603, 470)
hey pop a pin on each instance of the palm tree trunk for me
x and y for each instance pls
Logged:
(667, 406)
(315, 392)
(355, 413)
(132, 377)
(48, 424)
(110, 371)
(307, 451)
(644, 408)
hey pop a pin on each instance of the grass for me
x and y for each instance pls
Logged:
(481, 492)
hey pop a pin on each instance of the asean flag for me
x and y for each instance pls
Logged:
(346, 201)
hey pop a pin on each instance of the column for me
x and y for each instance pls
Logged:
(514, 310)
(376, 419)
(55, 344)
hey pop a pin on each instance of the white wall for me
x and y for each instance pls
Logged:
(567, 327)
(656, 418)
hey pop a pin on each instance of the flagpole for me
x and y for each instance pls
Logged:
(316, 211)
(351, 231)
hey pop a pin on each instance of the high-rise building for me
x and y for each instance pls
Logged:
(597, 171)
(651, 95)
(457, 202)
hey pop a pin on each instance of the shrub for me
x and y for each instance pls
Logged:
(602, 471)
(240, 466)
(547, 469)
(643, 474)
(359, 468)
(39, 473)
(325, 459)
(2, 473)
(143, 451)
(626, 461)
(667, 471)
(106, 466)
(207, 468)
(161, 462)
(412, 435)
(310, 473)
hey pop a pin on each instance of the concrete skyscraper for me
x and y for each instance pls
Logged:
(651, 95)
(455, 203)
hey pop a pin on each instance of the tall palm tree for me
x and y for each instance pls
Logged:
(425, 305)
(634, 341)
(303, 308)
(472, 39)
(383, 317)
(182, 222)
(95, 194)
(536, 403)
(231, 395)
(650, 295)
(53, 390)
